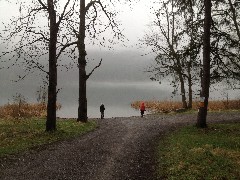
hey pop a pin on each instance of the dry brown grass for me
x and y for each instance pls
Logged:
(169, 106)
(25, 110)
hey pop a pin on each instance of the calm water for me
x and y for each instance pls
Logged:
(116, 97)
(119, 81)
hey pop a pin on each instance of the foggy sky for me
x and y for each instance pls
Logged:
(116, 83)
(119, 81)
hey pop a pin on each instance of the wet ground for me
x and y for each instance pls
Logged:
(120, 148)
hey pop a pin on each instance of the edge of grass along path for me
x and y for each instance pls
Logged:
(20, 135)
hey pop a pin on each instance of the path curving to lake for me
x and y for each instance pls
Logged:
(120, 149)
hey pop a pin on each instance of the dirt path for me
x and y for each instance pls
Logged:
(121, 148)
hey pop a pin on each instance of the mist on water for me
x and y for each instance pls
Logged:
(120, 80)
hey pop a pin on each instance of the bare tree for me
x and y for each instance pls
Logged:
(175, 43)
(192, 26)
(224, 47)
(66, 34)
(84, 9)
(33, 41)
(94, 18)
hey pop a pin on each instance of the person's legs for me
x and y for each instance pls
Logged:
(142, 112)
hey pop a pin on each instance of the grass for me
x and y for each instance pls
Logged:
(20, 135)
(191, 153)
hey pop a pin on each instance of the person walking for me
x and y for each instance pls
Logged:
(142, 109)
(102, 109)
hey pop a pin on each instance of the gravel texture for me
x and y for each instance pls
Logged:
(121, 148)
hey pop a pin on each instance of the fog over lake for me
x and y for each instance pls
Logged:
(119, 81)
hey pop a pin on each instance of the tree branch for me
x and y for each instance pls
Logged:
(64, 47)
(43, 5)
(39, 33)
(90, 4)
(63, 13)
(94, 69)
(39, 67)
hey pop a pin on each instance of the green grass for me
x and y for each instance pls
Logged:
(191, 153)
(19, 136)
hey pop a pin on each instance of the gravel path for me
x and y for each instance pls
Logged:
(121, 148)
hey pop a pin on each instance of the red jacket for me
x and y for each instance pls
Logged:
(142, 107)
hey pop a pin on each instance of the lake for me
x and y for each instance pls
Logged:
(120, 80)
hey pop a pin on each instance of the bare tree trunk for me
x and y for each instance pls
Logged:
(82, 108)
(189, 85)
(189, 64)
(205, 83)
(52, 87)
(183, 93)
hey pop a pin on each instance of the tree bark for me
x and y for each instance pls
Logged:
(205, 83)
(82, 108)
(183, 93)
(179, 67)
(189, 64)
(52, 87)
(189, 85)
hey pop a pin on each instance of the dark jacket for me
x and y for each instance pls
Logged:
(102, 108)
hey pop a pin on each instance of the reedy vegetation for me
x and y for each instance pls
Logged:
(172, 106)
(24, 110)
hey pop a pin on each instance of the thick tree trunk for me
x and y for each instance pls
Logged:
(205, 83)
(82, 108)
(52, 87)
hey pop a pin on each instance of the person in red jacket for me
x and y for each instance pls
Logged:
(142, 109)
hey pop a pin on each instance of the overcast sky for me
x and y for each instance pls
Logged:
(134, 18)
(116, 83)
(119, 81)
